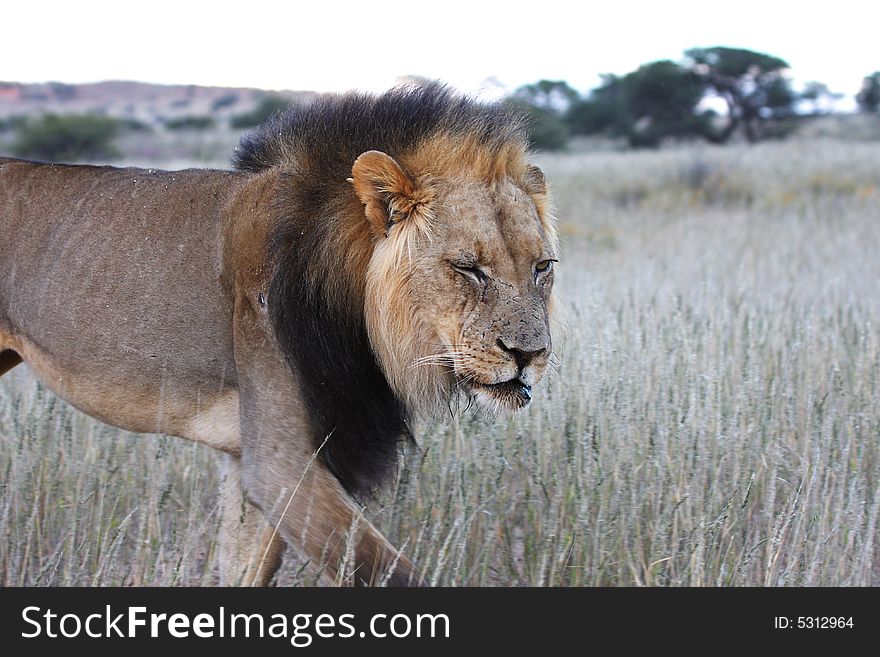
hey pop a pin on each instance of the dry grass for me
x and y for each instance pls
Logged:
(715, 419)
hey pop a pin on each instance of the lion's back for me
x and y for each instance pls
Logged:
(135, 252)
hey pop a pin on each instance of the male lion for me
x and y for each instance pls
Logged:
(368, 259)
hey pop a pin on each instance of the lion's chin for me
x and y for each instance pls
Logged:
(511, 395)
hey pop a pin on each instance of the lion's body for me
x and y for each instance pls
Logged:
(117, 299)
(284, 308)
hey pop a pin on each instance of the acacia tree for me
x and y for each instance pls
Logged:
(661, 101)
(752, 84)
(655, 102)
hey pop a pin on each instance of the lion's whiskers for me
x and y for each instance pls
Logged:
(446, 359)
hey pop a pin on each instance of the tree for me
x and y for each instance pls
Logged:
(653, 103)
(67, 138)
(552, 95)
(545, 103)
(868, 97)
(547, 130)
(601, 111)
(819, 98)
(752, 84)
(662, 99)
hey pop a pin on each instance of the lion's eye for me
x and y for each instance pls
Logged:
(471, 271)
(544, 266)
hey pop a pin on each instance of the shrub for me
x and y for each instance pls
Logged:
(67, 138)
(134, 125)
(227, 100)
(190, 123)
(11, 123)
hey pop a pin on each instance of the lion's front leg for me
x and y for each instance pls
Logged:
(250, 551)
(282, 474)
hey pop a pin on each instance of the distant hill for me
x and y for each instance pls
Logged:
(148, 103)
(173, 126)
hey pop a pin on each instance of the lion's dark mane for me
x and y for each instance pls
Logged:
(316, 296)
(332, 130)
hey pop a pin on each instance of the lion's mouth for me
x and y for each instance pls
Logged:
(513, 392)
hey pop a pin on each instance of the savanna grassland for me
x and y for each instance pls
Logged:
(713, 417)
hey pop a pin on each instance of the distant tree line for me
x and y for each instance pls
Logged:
(659, 101)
(681, 100)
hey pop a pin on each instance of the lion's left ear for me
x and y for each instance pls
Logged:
(389, 195)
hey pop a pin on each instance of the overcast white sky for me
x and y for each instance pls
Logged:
(330, 45)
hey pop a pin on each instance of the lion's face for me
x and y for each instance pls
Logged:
(459, 291)
(482, 281)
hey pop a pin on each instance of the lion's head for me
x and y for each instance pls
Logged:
(459, 285)
(412, 258)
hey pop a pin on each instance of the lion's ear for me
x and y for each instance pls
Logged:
(389, 195)
(536, 184)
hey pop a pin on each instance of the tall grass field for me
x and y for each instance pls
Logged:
(713, 418)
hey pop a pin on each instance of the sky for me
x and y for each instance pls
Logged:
(337, 45)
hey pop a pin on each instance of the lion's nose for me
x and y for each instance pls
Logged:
(523, 357)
